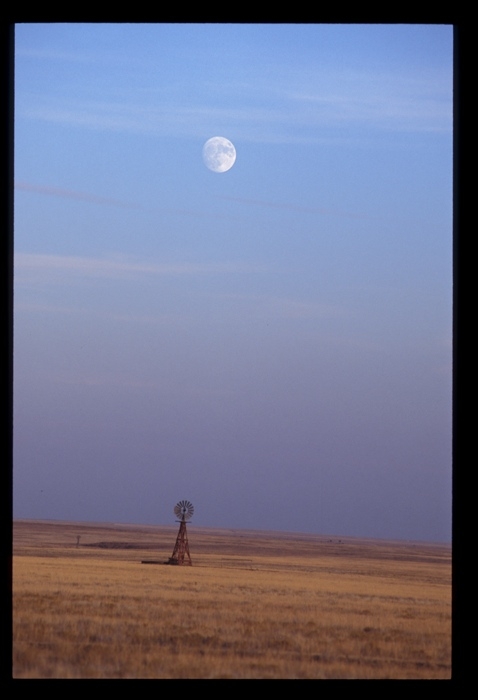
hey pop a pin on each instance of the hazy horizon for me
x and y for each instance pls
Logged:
(335, 538)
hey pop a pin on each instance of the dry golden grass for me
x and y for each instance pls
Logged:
(253, 605)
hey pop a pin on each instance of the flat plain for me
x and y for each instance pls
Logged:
(253, 605)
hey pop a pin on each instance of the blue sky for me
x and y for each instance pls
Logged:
(272, 343)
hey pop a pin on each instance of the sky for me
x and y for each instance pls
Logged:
(272, 343)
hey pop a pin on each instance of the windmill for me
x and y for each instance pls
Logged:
(183, 510)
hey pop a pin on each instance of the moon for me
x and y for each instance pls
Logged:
(219, 154)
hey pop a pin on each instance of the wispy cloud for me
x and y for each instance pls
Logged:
(268, 306)
(56, 55)
(133, 115)
(302, 109)
(88, 197)
(120, 268)
(72, 194)
(379, 100)
(293, 207)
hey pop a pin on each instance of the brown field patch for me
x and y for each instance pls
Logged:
(253, 605)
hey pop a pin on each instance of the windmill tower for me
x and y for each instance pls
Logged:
(183, 510)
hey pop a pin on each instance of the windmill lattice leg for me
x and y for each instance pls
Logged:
(181, 554)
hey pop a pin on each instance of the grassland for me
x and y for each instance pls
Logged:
(253, 605)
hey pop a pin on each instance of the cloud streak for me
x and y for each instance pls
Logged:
(293, 207)
(109, 201)
(269, 306)
(72, 194)
(113, 268)
(302, 105)
(297, 121)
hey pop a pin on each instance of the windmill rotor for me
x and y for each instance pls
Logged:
(184, 510)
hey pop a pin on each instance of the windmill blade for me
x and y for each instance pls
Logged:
(184, 510)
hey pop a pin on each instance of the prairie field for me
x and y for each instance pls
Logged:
(95, 601)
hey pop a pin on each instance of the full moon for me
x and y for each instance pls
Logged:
(219, 154)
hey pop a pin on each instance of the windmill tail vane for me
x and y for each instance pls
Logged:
(181, 556)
